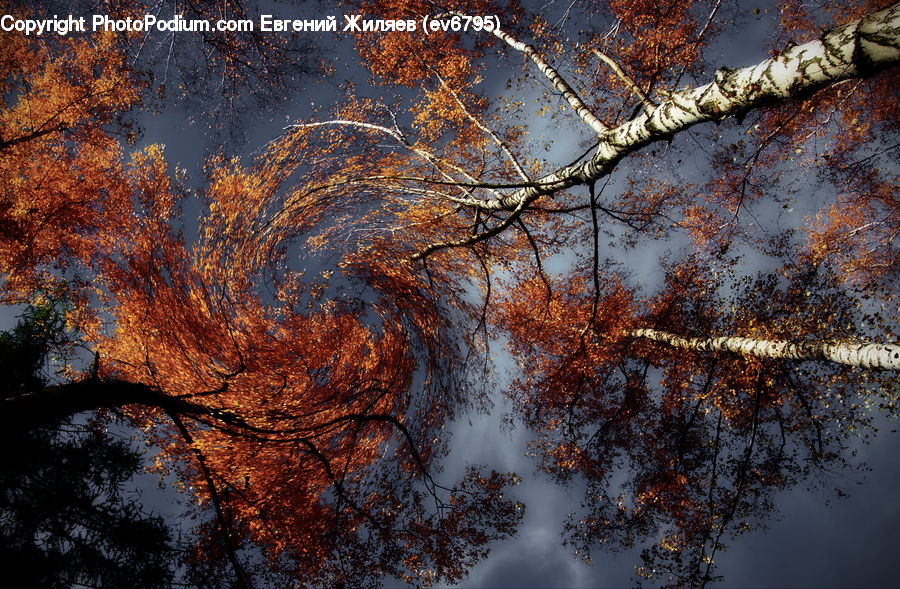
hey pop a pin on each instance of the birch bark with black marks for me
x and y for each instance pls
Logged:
(860, 354)
(858, 49)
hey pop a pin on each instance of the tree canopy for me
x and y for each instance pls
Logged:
(689, 270)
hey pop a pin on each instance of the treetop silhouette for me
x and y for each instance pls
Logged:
(298, 356)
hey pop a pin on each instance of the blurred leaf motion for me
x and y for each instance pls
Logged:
(687, 344)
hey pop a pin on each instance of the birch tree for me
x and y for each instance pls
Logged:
(859, 48)
(683, 442)
(307, 409)
(853, 354)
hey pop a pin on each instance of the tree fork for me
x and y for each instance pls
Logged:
(858, 49)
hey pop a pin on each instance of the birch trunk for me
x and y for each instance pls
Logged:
(863, 355)
(858, 49)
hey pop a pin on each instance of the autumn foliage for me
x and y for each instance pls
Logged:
(298, 350)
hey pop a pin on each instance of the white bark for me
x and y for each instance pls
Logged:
(567, 92)
(863, 355)
(858, 49)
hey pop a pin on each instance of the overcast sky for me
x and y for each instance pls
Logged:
(851, 543)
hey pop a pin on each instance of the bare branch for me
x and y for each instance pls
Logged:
(558, 82)
(513, 216)
(649, 105)
(243, 580)
(487, 130)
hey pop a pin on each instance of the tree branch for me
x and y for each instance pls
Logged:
(858, 49)
(649, 105)
(865, 355)
(558, 82)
